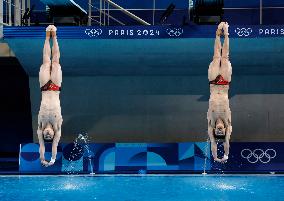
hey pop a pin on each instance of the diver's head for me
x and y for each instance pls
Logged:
(48, 134)
(220, 130)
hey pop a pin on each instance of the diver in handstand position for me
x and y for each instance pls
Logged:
(219, 113)
(50, 78)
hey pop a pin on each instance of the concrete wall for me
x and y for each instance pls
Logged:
(164, 108)
(157, 90)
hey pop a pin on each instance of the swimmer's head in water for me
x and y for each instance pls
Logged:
(48, 134)
(220, 129)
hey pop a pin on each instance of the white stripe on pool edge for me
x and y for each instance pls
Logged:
(152, 175)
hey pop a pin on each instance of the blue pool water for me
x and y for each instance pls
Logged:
(138, 188)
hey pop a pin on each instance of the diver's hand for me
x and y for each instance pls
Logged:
(225, 158)
(51, 162)
(217, 160)
(44, 163)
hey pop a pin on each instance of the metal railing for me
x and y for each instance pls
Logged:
(104, 13)
(12, 11)
(101, 13)
(138, 19)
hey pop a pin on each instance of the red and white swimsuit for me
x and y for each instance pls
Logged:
(219, 80)
(50, 86)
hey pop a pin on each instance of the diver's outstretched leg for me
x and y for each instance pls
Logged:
(226, 68)
(217, 45)
(44, 73)
(214, 66)
(55, 47)
(225, 48)
(56, 72)
(46, 48)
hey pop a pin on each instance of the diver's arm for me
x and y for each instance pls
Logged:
(41, 147)
(226, 150)
(226, 144)
(55, 142)
(213, 144)
(214, 151)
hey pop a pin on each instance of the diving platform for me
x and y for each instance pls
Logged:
(150, 50)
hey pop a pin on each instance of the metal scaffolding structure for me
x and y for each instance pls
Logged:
(13, 12)
(100, 12)
(102, 7)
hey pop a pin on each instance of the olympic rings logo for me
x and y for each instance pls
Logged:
(243, 32)
(253, 156)
(93, 32)
(174, 32)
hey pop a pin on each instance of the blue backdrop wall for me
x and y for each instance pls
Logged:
(142, 158)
